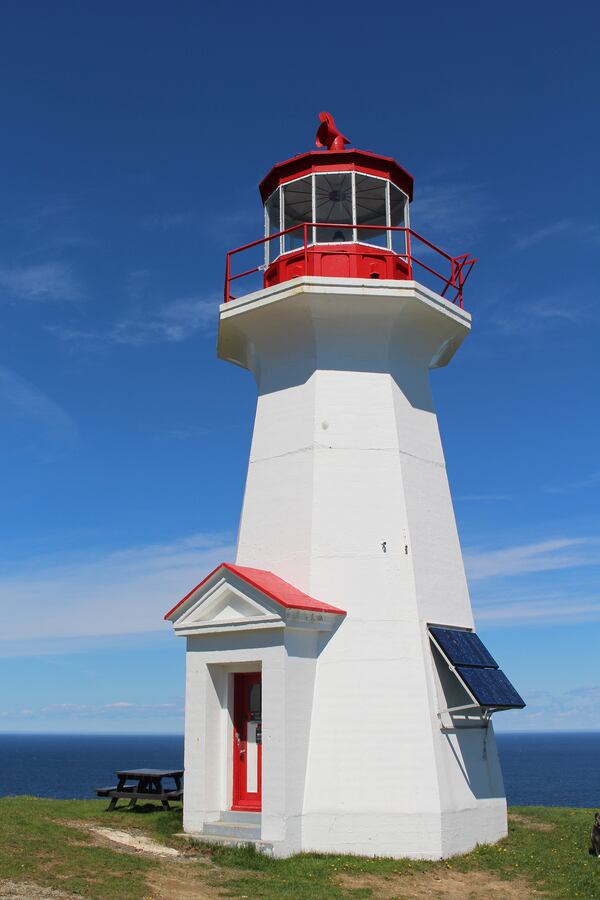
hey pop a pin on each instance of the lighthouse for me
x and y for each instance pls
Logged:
(338, 698)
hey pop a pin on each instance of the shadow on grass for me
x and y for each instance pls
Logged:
(143, 809)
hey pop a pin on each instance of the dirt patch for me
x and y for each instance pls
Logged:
(193, 879)
(531, 823)
(10, 890)
(181, 875)
(132, 840)
(449, 885)
(182, 880)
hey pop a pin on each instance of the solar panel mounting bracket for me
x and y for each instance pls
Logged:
(453, 709)
(483, 721)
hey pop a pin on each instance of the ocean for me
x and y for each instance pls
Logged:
(544, 769)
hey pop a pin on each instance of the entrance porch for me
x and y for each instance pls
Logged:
(253, 642)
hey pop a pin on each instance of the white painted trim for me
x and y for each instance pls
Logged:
(257, 624)
(353, 287)
(388, 214)
(267, 242)
(353, 205)
(313, 206)
(194, 617)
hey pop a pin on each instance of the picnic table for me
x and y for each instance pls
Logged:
(149, 787)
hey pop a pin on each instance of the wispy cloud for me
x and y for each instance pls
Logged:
(449, 206)
(179, 435)
(51, 224)
(537, 236)
(150, 643)
(591, 481)
(39, 424)
(170, 322)
(214, 224)
(477, 498)
(542, 315)
(41, 282)
(166, 221)
(119, 709)
(545, 556)
(547, 582)
(118, 592)
(37, 216)
(175, 321)
(549, 608)
(578, 231)
(547, 710)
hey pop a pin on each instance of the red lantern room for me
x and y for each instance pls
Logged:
(354, 199)
(343, 214)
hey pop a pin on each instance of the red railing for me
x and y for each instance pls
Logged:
(451, 284)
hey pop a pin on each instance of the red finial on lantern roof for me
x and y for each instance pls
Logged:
(328, 135)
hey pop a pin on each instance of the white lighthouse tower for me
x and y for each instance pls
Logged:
(337, 698)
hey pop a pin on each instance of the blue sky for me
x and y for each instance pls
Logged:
(134, 138)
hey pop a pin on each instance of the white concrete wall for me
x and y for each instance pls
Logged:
(346, 455)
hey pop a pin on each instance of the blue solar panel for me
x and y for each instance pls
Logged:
(477, 667)
(463, 648)
(490, 687)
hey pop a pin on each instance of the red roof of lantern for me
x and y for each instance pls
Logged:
(335, 161)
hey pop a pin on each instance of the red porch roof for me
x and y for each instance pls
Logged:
(272, 586)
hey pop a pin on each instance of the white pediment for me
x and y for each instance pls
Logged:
(227, 605)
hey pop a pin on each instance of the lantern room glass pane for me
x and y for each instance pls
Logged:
(398, 202)
(371, 209)
(273, 225)
(297, 208)
(333, 203)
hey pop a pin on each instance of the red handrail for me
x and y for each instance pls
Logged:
(460, 266)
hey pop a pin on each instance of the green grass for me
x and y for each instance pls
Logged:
(36, 846)
(555, 861)
(38, 843)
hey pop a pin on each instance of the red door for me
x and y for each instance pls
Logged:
(247, 741)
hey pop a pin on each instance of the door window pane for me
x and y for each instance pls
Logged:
(371, 209)
(273, 225)
(297, 208)
(333, 203)
(254, 701)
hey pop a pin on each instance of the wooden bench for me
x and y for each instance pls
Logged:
(149, 787)
(105, 791)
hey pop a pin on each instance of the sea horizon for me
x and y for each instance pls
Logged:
(181, 733)
(540, 768)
